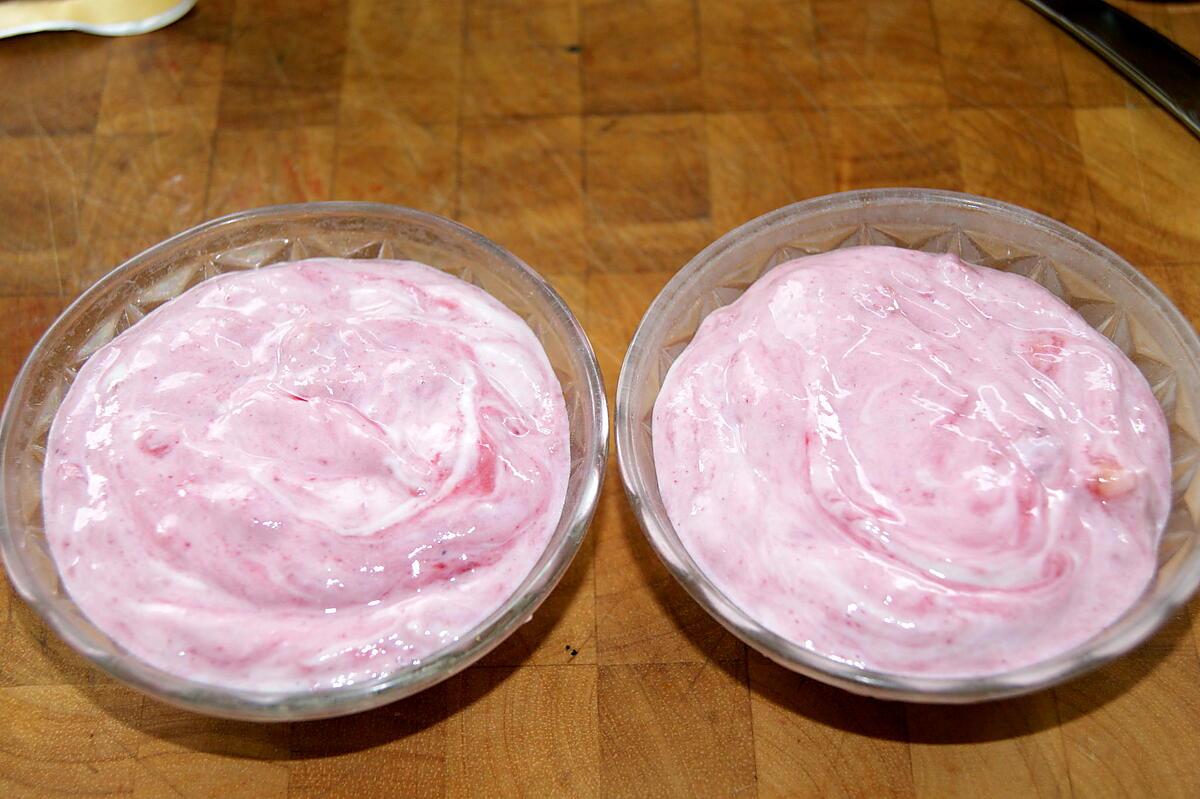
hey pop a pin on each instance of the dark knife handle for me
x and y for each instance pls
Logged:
(1159, 67)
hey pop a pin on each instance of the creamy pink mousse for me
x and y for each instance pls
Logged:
(307, 475)
(913, 465)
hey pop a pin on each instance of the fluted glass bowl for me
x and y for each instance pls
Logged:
(249, 240)
(1110, 294)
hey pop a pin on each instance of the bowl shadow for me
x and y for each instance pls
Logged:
(911, 722)
(359, 732)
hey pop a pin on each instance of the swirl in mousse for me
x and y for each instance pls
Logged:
(913, 465)
(306, 475)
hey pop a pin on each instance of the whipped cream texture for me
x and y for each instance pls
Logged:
(913, 465)
(306, 475)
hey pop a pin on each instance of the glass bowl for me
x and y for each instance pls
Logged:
(1114, 298)
(249, 240)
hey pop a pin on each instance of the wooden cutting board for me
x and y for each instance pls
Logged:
(605, 143)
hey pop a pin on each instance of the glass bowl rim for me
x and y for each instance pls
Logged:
(254, 705)
(882, 684)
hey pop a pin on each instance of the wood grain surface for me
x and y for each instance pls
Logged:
(605, 142)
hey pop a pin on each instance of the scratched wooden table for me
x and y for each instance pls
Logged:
(605, 143)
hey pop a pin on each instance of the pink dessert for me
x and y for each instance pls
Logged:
(307, 475)
(913, 465)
